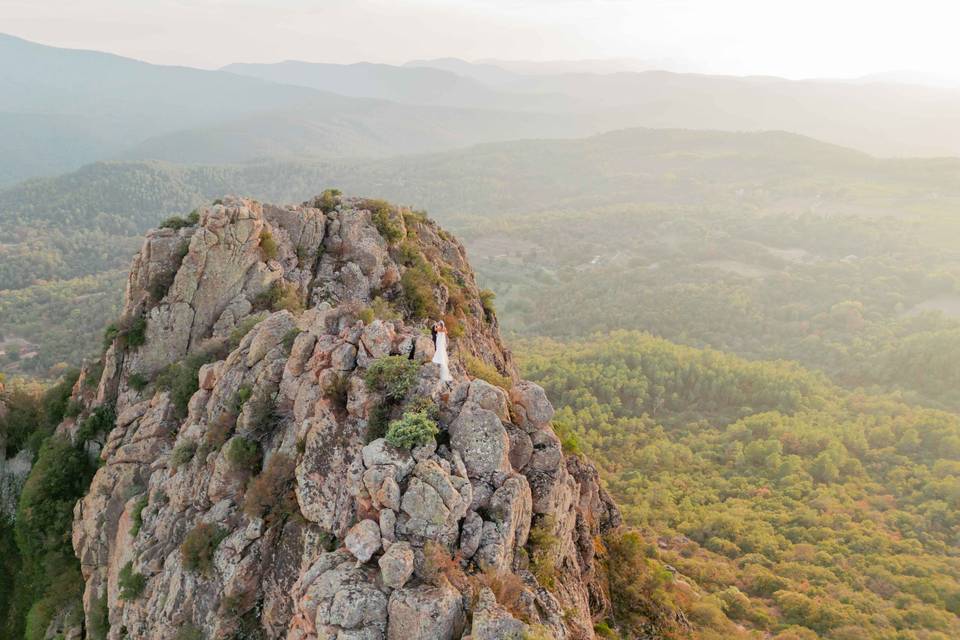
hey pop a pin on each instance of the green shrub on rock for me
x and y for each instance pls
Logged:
(392, 376)
(268, 245)
(131, 583)
(183, 453)
(137, 515)
(199, 546)
(243, 454)
(412, 430)
(100, 421)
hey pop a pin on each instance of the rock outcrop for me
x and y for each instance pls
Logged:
(246, 489)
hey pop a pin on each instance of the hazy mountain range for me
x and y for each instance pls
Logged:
(61, 108)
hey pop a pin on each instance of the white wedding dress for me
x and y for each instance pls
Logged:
(440, 357)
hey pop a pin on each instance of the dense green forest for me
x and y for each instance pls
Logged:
(872, 302)
(761, 356)
(39, 574)
(766, 244)
(791, 501)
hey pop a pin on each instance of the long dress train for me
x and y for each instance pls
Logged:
(440, 357)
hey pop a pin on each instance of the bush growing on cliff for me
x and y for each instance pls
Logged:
(271, 495)
(137, 382)
(385, 219)
(328, 200)
(393, 376)
(243, 454)
(137, 515)
(199, 546)
(181, 378)
(49, 578)
(486, 299)
(183, 453)
(639, 586)
(268, 245)
(417, 284)
(128, 332)
(412, 430)
(280, 296)
(137, 332)
(130, 582)
(100, 421)
(177, 222)
(99, 618)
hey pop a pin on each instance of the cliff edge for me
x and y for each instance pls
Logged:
(282, 460)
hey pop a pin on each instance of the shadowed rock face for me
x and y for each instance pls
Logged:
(255, 496)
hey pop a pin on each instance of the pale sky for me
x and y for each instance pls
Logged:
(802, 38)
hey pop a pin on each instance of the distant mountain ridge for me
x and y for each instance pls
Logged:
(62, 108)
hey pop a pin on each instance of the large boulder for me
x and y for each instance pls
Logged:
(426, 613)
(396, 565)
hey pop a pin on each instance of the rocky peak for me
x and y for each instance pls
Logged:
(285, 461)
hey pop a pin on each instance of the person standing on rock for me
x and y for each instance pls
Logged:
(439, 331)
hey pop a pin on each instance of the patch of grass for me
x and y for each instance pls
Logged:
(392, 376)
(242, 329)
(189, 631)
(73, 409)
(603, 630)
(638, 585)
(130, 582)
(412, 430)
(137, 515)
(243, 454)
(543, 545)
(411, 218)
(199, 546)
(111, 333)
(289, 338)
(183, 453)
(507, 588)
(487, 372)
(537, 632)
(262, 416)
(280, 296)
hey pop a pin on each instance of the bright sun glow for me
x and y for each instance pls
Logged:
(816, 38)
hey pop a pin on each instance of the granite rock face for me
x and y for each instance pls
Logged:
(249, 481)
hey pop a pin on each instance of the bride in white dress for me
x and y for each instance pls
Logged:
(440, 355)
